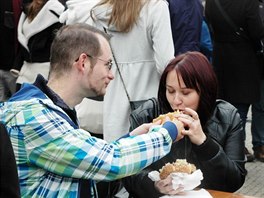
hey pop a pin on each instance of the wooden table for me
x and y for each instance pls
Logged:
(221, 194)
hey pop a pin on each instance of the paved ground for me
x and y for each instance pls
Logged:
(254, 184)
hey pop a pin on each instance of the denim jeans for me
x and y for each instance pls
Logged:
(243, 111)
(257, 125)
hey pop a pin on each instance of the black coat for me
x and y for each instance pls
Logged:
(221, 158)
(186, 24)
(237, 66)
(8, 37)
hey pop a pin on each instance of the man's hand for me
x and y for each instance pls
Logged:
(179, 125)
(180, 128)
(144, 128)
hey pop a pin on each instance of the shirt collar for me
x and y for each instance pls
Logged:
(41, 83)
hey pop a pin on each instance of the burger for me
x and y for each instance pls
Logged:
(179, 166)
(170, 115)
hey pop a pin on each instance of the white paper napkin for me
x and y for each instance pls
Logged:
(187, 181)
(202, 193)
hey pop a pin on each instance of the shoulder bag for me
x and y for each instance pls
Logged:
(133, 104)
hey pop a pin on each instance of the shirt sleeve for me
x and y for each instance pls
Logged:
(54, 145)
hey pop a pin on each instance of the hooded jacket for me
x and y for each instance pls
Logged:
(54, 156)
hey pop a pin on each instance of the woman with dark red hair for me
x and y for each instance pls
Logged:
(213, 139)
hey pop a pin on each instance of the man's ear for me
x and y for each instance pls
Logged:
(80, 62)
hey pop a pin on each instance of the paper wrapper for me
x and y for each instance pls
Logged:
(187, 181)
(202, 193)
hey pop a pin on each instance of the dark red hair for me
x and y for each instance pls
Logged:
(197, 73)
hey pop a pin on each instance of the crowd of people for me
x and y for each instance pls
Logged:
(166, 55)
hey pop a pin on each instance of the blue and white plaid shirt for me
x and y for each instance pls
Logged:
(53, 154)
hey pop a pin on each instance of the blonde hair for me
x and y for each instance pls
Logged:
(125, 13)
(34, 7)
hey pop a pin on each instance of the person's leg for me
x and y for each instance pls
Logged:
(10, 83)
(257, 126)
(7, 85)
(243, 111)
(2, 86)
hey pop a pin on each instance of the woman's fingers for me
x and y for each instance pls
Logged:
(165, 186)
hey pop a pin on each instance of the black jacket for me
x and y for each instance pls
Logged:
(221, 158)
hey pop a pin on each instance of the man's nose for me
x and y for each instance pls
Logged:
(111, 75)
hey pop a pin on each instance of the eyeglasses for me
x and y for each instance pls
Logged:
(109, 63)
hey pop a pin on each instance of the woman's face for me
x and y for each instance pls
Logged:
(178, 95)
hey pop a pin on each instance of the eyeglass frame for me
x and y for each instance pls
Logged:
(109, 63)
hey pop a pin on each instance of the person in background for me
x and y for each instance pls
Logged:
(235, 61)
(257, 124)
(37, 24)
(213, 139)
(9, 15)
(186, 24)
(56, 158)
(206, 45)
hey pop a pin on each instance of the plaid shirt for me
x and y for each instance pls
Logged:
(53, 154)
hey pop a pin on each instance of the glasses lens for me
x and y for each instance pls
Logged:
(110, 64)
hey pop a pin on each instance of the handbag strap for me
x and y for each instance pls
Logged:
(238, 30)
(118, 69)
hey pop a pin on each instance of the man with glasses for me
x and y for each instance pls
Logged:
(56, 158)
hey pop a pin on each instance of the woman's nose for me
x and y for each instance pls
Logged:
(177, 99)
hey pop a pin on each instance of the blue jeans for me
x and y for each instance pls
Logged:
(257, 126)
(243, 111)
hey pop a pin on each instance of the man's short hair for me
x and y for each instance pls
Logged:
(72, 40)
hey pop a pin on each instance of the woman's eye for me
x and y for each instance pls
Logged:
(171, 91)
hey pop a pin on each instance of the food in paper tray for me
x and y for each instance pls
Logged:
(183, 174)
(171, 115)
(180, 166)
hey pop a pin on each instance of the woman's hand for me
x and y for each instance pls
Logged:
(165, 187)
(193, 126)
